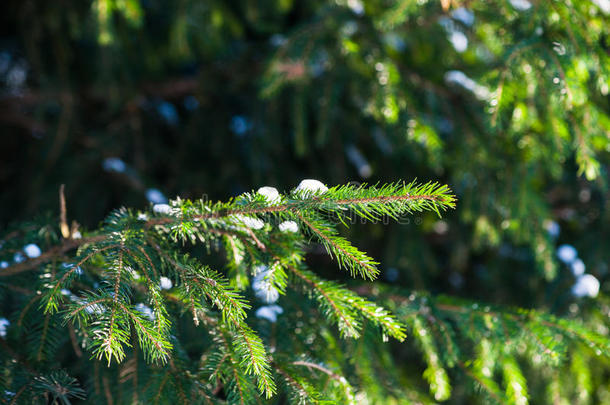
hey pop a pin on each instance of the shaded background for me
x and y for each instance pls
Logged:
(127, 102)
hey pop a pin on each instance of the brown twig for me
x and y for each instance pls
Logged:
(63, 217)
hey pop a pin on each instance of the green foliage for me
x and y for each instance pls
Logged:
(133, 254)
(140, 256)
(507, 101)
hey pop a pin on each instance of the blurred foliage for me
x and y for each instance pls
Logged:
(506, 101)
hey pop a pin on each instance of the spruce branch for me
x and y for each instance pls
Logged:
(435, 374)
(325, 292)
(346, 390)
(253, 358)
(445, 321)
(369, 202)
(301, 391)
(347, 255)
(344, 307)
(96, 291)
(200, 281)
(516, 386)
(487, 384)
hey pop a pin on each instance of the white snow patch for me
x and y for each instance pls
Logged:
(604, 5)
(460, 78)
(155, 196)
(289, 226)
(463, 15)
(165, 283)
(578, 267)
(567, 253)
(459, 40)
(250, 222)
(162, 209)
(263, 287)
(311, 186)
(356, 6)
(4, 323)
(32, 250)
(586, 286)
(521, 5)
(269, 312)
(270, 193)
(145, 310)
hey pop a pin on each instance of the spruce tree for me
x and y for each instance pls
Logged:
(264, 298)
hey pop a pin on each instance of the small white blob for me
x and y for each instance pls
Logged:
(145, 310)
(463, 15)
(155, 196)
(269, 312)
(250, 222)
(567, 253)
(270, 193)
(356, 6)
(142, 217)
(32, 250)
(459, 78)
(114, 164)
(268, 295)
(552, 228)
(4, 323)
(263, 287)
(66, 292)
(586, 286)
(162, 209)
(440, 227)
(77, 235)
(311, 186)
(165, 283)
(261, 277)
(3, 264)
(260, 269)
(289, 226)
(604, 5)
(18, 257)
(578, 267)
(521, 5)
(459, 41)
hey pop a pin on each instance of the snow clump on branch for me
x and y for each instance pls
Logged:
(311, 186)
(270, 193)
